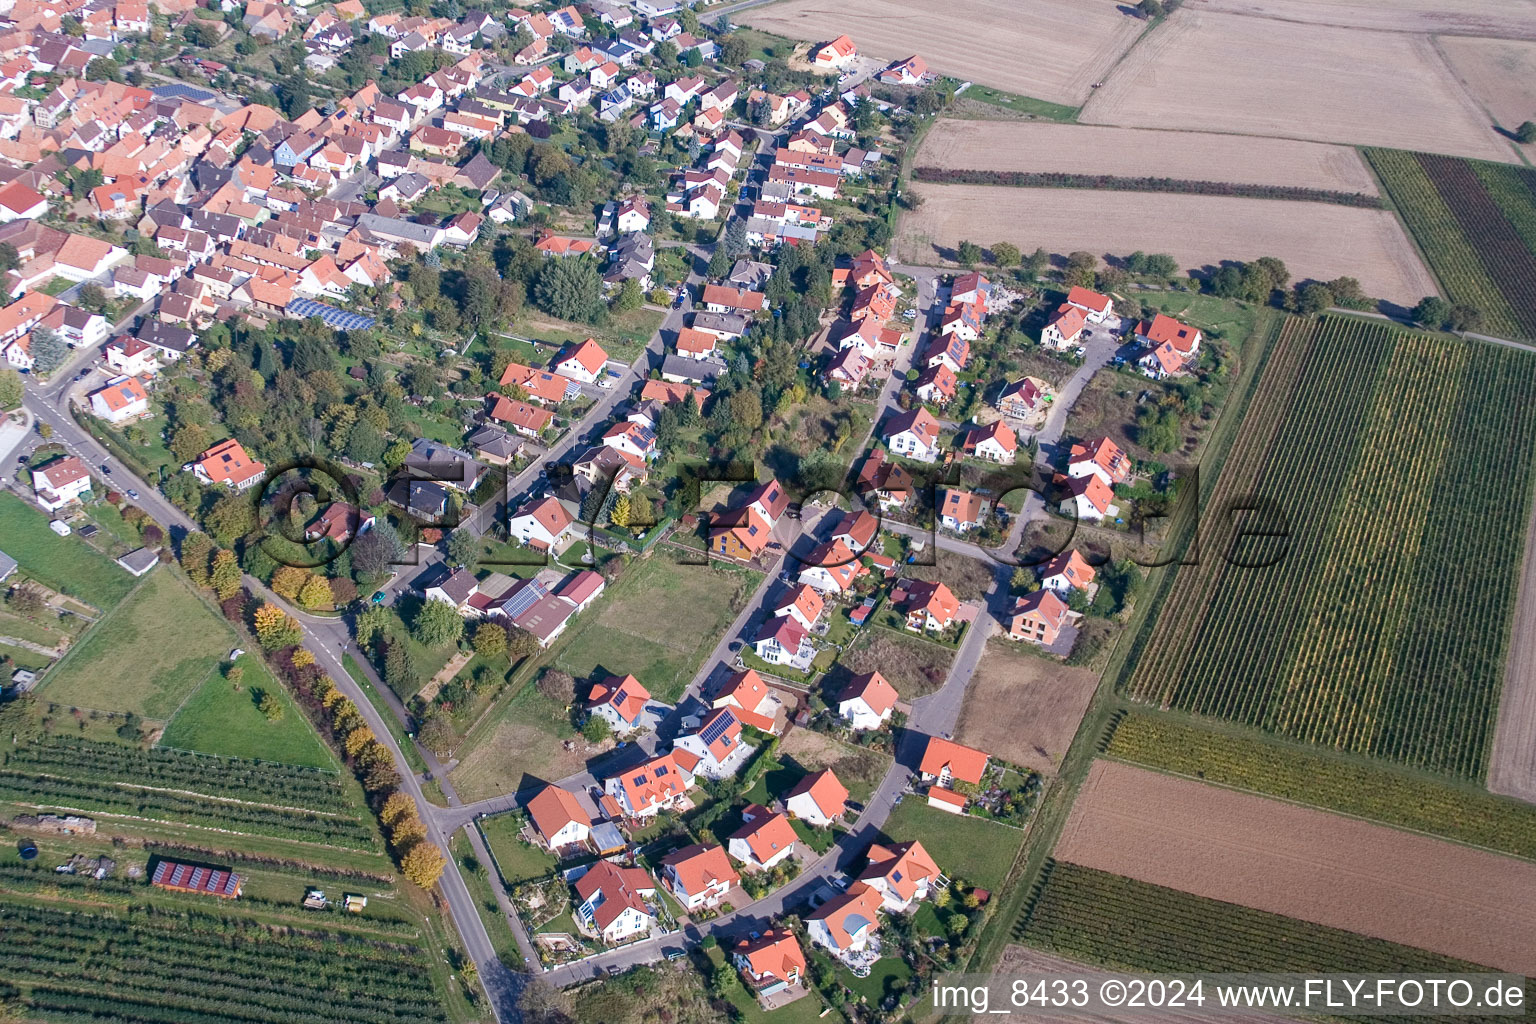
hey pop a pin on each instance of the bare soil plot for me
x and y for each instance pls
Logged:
(1499, 73)
(1512, 766)
(1513, 19)
(1304, 863)
(1136, 152)
(1316, 240)
(1024, 708)
(1257, 76)
(1048, 49)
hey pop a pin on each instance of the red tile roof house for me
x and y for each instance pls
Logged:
(844, 924)
(122, 399)
(338, 522)
(995, 442)
(1039, 618)
(1021, 399)
(914, 435)
(1067, 572)
(770, 963)
(1098, 307)
(1087, 498)
(611, 902)
(764, 839)
(1172, 346)
(1065, 327)
(619, 702)
(839, 53)
(544, 525)
(946, 762)
(60, 482)
(867, 701)
(929, 606)
(558, 818)
(528, 420)
(780, 640)
(740, 533)
(803, 604)
(715, 749)
(584, 362)
(717, 298)
(830, 568)
(817, 799)
(753, 702)
(698, 875)
(902, 874)
(659, 783)
(960, 511)
(1101, 458)
(227, 463)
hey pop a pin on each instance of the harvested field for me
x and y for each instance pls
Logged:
(1317, 240)
(1024, 708)
(1256, 76)
(1136, 152)
(1048, 49)
(1304, 863)
(1512, 763)
(1515, 19)
(1499, 73)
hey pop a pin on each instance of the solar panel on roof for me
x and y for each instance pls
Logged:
(716, 729)
(526, 597)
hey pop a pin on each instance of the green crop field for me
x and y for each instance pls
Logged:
(143, 964)
(1339, 782)
(1120, 923)
(1476, 224)
(218, 719)
(1379, 623)
(229, 794)
(64, 563)
(147, 656)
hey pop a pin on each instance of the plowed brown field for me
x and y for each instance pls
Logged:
(1304, 863)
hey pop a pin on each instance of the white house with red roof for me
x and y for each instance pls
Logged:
(633, 439)
(1089, 498)
(946, 762)
(830, 568)
(802, 604)
(1172, 347)
(719, 298)
(646, 789)
(902, 874)
(558, 818)
(818, 799)
(1100, 457)
(227, 464)
(844, 924)
(753, 702)
(995, 442)
(1022, 399)
(1067, 572)
(1065, 328)
(545, 524)
(714, 748)
(20, 202)
(839, 53)
(584, 362)
(781, 640)
(930, 607)
(867, 701)
(611, 902)
(699, 875)
(912, 71)
(959, 510)
(771, 962)
(1097, 308)
(119, 400)
(766, 838)
(60, 482)
(619, 702)
(913, 435)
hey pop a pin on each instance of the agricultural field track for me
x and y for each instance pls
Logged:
(1359, 787)
(1023, 962)
(1499, 73)
(1257, 76)
(1047, 49)
(1316, 240)
(1476, 224)
(154, 966)
(1379, 622)
(1512, 19)
(1303, 863)
(955, 143)
(1121, 923)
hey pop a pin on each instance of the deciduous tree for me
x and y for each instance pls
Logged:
(423, 864)
(225, 576)
(276, 629)
(438, 624)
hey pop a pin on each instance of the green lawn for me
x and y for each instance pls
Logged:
(978, 851)
(218, 720)
(889, 974)
(518, 861)
(30, 660)
(804, 1010)
(147, 655)
(64, 563)
(479, 881)
(1020, 104)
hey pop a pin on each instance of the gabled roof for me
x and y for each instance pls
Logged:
(1094, 489)
(1164, 329)
(847, 914)
(698, 867)
(1072, 566)
(552, 515)
(961, 506)
(1088, 299)
(901, 867)
(873, 689)
(227, 461)
(1043, 605)
(766, 833)
(997, 431)
(1105, 454)
(919, 421)
(552, 808)
(825, 791)
(775, 953)
(625, 696)
(621, 888)
(589, 354)
(964, 763)
(733, 298)
(803, 599)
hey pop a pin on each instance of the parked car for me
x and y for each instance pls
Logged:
(133, 494)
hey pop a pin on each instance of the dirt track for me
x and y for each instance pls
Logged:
(1512, 767)
(1048, 49)
(1316, 240)
(1513, 19)
(1305, 863)
(1257, 76)
(1136, 152)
